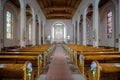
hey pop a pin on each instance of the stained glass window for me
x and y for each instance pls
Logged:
(8, 25)
(109, 24)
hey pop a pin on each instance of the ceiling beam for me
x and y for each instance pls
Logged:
(77, 3)
(45, 3)
(62, 14)
(58, 8)
(58, 17)
(49, 2)
(68, 2)
(40, 3)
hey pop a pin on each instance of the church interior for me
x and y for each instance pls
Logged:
(59, 39)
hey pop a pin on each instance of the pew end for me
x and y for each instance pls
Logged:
(16, 71)
(104, 70)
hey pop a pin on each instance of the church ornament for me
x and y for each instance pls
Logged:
(80, 58)
(41, 58)
(29, 70)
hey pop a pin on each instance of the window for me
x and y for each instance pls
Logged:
(8, 25)
(109, 24)
(30, 31)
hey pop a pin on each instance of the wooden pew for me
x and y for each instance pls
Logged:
(11, 47)
(76, 57)
(41, 49)
(16, 71)
(43, 56)
(105, 68)
(74, 53)
(86, 60)
(18, 59)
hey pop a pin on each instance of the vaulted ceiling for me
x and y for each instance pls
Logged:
(59, 9)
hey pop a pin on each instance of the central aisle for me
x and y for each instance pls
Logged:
(59, 69)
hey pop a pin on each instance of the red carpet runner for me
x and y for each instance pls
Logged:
(59, 69)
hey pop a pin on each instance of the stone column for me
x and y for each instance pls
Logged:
(22, 24)
(95, 24)
(33, 31)
(78, 31)
(74, 33)
(43, 32)
(119, 24)
(84, 28)
(1, 25)
(39, 32)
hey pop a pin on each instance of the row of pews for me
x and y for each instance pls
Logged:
(95, 63)
(24, 63)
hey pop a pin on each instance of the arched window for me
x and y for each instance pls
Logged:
(9, 22)
(109, 24)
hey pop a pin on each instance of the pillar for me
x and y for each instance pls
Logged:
(74, 33)
(1, 26)
(119, 24)
(78, 31)
(33, 31)
(95, 24)
(22, 24)
(84, 28)
(39, 32)
(43, 33)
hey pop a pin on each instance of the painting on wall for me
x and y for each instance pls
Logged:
(59, 33)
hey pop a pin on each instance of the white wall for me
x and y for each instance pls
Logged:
(69, 28)
(104, 41)
(15, 28)
(7, 5)
(111, 5)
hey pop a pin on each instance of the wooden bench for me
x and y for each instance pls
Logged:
(70, 49)
(76, 50)
(16, 71)
(84, 61)
(106, 68)
(17, 56)
(80, 48)
(33, 48)
(41, 49)
(37, 61)
(76, 57)
(12, 47)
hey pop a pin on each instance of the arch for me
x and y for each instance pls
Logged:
(52, 31)
(109, 6)
(89, 28)
(88, 5)
(27, 5)
(7, 5)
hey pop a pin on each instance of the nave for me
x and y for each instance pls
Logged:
(61, 68)
(60, 62)
(38, 37)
